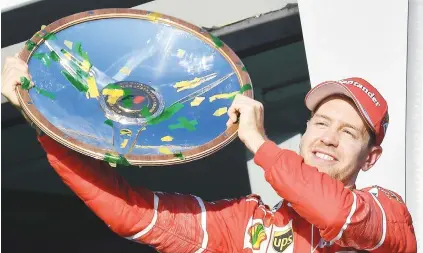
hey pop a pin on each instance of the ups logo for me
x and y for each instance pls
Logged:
(282, 240)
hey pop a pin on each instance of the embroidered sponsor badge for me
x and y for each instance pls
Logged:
(257, 235)
(282, 240)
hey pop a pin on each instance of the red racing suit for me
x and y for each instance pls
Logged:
(317, 214)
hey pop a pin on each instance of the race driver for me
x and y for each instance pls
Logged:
(320, 211)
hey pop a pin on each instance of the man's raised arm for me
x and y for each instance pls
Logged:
(370, 219)
(168, 222)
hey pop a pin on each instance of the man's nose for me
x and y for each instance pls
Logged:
(330, 137)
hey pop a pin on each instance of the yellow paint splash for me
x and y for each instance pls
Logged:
(165, 150)
(185, 85)
(113, 95)
(43, 26)
(68, 43)
(126, 132)
(92, 87)
(142, 129)
(68, 55)
(222, 96)
(220, 111)
(180, 53)
(124, 143)
(125, 70)
(167, 138)
(154, 16)
(86, 66)
(197, 101)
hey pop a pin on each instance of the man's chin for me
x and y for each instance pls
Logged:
(322, 167)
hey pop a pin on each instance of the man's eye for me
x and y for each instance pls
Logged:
(320, 123)
(349, 133)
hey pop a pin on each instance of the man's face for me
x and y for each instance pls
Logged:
(336, 140)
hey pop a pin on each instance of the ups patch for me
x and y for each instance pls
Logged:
(282, 240)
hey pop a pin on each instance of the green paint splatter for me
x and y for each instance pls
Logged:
(116, 159)
(112, 86)
(127, 102)
(145, 112)
(64, 51)
(217, 42)
(127, 99)
(244, 69)
(45, 93)
(54, 56)
(78, 48)
(43, 57)
(179, 155)
(245, 87)
(75, 82)
(109, 122)
(30, 45)
(127, 92)
(81, 73)
(184, 123)
(25, 83)
(49, 36)
(166, 114)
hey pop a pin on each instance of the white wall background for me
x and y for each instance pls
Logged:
(414, 158)
(369, 39)
(366, 39)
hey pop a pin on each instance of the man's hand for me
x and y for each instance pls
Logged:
(249, 113)
(13, 69)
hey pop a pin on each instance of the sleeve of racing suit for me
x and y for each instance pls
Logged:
(371, 219)
(167, 222)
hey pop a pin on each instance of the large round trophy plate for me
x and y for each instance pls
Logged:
(132, 87)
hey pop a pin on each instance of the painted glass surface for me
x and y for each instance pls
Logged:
(133, 86)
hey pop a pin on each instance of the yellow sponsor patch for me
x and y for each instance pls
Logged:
(257, 235)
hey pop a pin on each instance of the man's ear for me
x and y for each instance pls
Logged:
(374, 154)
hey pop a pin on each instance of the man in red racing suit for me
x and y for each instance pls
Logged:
(320, 211)
(372, 219)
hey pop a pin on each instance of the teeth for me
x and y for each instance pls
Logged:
(324, 156)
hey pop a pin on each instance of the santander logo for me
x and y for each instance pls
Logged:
(363, 88)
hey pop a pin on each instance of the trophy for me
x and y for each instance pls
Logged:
(132, 87)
